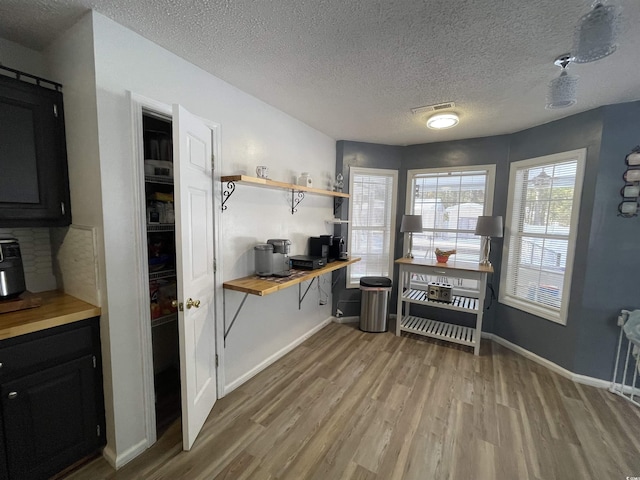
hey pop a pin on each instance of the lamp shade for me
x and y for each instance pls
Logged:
(596, 34)
(411, 223)
(488, 226)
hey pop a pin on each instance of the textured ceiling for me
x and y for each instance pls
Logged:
(353, 69)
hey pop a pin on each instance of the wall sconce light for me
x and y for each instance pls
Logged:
(631, 190)
(488, 227)
(411, 224)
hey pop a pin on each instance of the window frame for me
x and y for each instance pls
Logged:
(489, 187)
(460, 288)
(353, 171)
(556, 315)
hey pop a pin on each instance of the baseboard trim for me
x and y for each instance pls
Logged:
(554, 367)
(345, 319)
(276, 356)
(118, 461)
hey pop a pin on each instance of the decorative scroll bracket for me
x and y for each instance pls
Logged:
(226, 193)
(337, 203)
(296, 201)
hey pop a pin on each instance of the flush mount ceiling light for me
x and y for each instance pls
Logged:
(562, 90)
(442, 120)
(596, 34)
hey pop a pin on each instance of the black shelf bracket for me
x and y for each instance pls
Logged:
(227, 330)
(337, 203)
(226, 193)
(301, 298)
(295, 200)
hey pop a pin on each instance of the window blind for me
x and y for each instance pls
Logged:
(450, 201)
(541, 226)
(372, 219)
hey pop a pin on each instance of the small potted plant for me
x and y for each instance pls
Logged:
(443, 255)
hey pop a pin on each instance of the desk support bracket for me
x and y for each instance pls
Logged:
(301, 298)
(227, 330)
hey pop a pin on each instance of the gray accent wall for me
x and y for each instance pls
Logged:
(607, 258)
(366, 155)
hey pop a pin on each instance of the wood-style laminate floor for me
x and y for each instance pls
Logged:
(351, 405)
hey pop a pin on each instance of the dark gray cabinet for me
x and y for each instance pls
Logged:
(51, 400)
(34, 180)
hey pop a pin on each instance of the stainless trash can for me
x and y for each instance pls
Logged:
(374, 303)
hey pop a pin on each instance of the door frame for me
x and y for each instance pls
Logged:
(140, 105)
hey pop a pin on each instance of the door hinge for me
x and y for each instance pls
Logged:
(98, 430)
(94, 362)
(215, 265)
(55, 110)
(216, 360)
(213, 162)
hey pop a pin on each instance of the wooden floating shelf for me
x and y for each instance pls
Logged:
(266, 183)
(261, 286)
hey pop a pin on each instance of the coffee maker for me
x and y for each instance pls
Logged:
(328, 246)
(281, 250)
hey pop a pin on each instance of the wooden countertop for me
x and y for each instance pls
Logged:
(57, 309)
(261, 286)
(454, 265)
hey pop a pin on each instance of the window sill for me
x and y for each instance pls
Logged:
(553, 315)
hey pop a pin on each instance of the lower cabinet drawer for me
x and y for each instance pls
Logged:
(28, 353)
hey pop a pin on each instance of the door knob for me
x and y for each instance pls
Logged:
(193, 303)
(176, 304)
(12, 394)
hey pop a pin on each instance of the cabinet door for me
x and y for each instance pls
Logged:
(34, 182)
(50, 418)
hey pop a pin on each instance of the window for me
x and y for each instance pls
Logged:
(540, 233)
(372, 215)
(450, 201)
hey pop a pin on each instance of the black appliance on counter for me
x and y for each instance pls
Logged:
(328, 246)
(12, 281)
(307, 262)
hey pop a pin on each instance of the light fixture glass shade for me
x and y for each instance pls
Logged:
(562, 91)
(596, 34)
(489, 226)
(411, 223)
(442, 120)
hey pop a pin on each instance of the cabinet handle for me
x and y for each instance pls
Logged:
(441, 272)
(1, 364)
(12, 395)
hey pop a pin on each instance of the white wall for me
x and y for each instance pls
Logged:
(253, 133)
(21, 58)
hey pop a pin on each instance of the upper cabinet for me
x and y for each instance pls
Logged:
(34, 181)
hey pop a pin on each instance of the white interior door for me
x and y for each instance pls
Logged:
(193, 178)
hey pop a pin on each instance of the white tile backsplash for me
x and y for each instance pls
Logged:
(76, 264)
(35, 247)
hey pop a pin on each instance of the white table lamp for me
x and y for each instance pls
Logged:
(411, 224)
(488, 227)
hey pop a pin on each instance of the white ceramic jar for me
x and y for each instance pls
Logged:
(305, 180)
